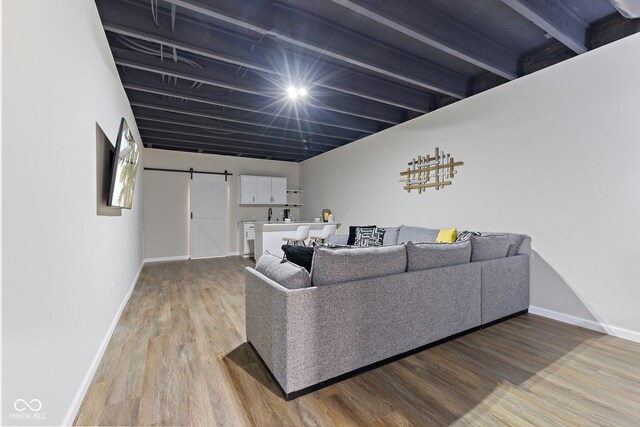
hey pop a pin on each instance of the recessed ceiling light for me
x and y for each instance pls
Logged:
(292, 92)
(295, 92)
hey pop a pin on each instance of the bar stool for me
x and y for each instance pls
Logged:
(302, 234)
(327, 230)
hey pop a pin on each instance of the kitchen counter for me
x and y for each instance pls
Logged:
(253, 221)
(269, 234)
(270, 224)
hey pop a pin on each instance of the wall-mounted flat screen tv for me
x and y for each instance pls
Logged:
(125, 167)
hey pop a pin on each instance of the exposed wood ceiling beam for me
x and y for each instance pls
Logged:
(438, 30)
(130, 20)
(555, 18)
(553, 53)
(161, 117)
(213, 75)
(173, 145)
(151, 102)
(277, 20)
(229, 138)
(485, 81)
(153, 139)
(612, 28)
(251, 85)
(352, 124)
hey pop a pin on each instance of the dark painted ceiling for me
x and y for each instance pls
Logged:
(211, 76)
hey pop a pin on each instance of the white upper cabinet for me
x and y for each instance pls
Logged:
(263, 190)
(278, 190)
(247, 189)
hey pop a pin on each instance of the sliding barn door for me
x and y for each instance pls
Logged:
(209, 216)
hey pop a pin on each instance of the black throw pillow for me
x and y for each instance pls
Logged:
(352, 232)
(300, 255)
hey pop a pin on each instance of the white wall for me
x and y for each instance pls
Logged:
(1, 116)
(166, 202)
(554, 155)
(66, 270)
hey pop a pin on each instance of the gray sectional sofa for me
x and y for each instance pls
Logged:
(362, 307)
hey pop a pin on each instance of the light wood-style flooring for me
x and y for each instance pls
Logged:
(178, 357)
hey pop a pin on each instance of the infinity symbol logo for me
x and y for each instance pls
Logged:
(21, 405)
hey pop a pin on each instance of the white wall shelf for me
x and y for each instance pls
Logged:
(294, 198)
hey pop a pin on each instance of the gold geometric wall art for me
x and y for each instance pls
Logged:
(430, 172)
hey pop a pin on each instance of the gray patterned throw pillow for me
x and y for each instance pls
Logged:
(363, 236)
(369, 236)
(466, 235)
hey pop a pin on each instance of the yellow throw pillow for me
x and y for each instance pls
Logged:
(447, 236)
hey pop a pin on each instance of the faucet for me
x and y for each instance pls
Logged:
(269, 214)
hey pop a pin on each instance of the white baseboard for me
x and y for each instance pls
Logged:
(86, 382)
(180, 258)
(167, 258)
(615, 331)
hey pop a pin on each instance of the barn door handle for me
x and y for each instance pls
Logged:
(191, 215)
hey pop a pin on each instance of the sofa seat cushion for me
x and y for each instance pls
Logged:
(485, 247)
(409, 233)
(283, 272)
(422, 256)
(336, 265)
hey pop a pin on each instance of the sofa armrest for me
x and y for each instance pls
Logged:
(265, 310)
(272, 314)
(505, 287)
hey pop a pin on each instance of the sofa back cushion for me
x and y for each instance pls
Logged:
(515, 241)
(337, 239)
(486, 247)
(283, 272)
(408, 233)
(390, 236)
(422, 256)
(336, 265)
